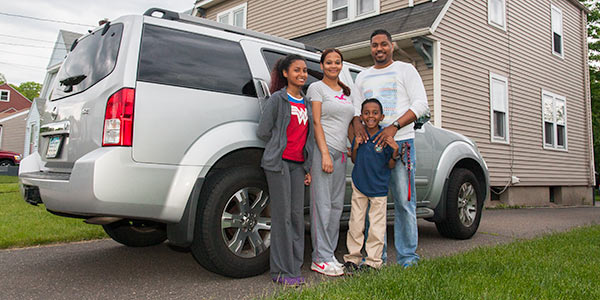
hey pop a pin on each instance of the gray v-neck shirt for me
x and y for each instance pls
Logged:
(337, 111)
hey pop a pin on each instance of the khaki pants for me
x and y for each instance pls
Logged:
(376, 236)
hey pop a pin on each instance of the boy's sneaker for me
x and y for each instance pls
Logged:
(364, 268)
(291, 281)
(327, 268)
(350, 268)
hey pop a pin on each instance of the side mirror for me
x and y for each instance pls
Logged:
(422, 120)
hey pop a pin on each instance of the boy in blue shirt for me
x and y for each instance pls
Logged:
(370, 179)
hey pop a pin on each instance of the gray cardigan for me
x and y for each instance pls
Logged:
(272, 128)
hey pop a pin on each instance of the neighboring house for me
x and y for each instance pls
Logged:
(32, 129)
(511, 75)
(12, 129)
(11, 100)
(62, 46)
(13, 109)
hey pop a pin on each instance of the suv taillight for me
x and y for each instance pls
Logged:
(118, 120)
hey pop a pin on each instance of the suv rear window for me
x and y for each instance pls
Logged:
(191, 60)
(92, 59)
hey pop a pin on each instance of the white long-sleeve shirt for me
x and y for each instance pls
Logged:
(399, 88)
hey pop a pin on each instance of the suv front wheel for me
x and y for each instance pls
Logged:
(233, 226)
(463, 206)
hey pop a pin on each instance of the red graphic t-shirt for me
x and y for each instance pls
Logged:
(297, 131)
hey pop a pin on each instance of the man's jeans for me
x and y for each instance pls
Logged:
(405, 212)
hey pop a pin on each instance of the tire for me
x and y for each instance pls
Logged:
(233, 225)
(6, 163)
(464, 204)
(136, 233)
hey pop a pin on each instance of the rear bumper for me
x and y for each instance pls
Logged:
(107, 182)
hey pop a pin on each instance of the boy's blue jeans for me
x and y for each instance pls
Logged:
(405, 212)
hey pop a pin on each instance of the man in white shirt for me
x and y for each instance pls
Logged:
(398, 86)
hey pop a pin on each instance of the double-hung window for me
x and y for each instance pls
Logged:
(344, 11)
(557, 31)
(497, 13)
(235, 16)
(4, 95)
(499, 108)
(555, 120)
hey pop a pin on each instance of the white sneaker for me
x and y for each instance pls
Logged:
(327, 268)
(337, 263)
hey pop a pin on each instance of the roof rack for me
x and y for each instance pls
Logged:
(175, 16)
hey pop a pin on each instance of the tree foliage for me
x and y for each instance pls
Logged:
(2, 78)
(593, 28)
(29, 89)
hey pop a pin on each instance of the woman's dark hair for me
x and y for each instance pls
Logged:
(278, 81)
(326, 52)
(371, 100)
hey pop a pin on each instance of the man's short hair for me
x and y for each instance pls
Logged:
(381, 31)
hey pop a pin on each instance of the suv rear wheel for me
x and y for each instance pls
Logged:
(233, 229)
(136, 233)
(463, 206)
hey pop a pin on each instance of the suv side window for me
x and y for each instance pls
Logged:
(313, 66)
(191, 60)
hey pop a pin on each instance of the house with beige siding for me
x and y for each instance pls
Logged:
(512, 75)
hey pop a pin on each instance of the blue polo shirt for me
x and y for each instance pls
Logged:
(371, 174)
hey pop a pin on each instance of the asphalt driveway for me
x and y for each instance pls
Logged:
(106, 270)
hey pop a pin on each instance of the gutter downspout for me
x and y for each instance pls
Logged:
(588, 102)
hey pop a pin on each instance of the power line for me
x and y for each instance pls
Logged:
(20, 65)
(33, 46)
(46, 20)
(44, 57)
(31, 39)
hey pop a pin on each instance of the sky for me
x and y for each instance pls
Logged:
(21, 63)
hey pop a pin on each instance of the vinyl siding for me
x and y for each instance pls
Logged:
(13, 134)
(290, 19)
(471, 49)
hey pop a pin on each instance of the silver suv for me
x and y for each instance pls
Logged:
(150, 132)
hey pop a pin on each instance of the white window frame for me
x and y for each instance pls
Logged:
(491, 13)
(562, 29)
(230, 13)
(352, 13)
(7, 97)
(493, 138)
(554, 145)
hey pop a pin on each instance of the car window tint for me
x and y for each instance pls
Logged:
(354, 73)
(313, 66)
(191, 60)
(93, 58)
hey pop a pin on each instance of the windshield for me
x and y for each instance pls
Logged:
(93, 58)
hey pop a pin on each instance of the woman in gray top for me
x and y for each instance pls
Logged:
(332, 111)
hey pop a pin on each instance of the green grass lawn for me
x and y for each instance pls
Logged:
(558, 266)
(22, 224)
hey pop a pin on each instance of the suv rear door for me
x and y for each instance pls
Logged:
(72, 119)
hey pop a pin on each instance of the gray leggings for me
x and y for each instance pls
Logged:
(286, 189)
(326, 205)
